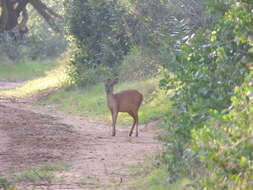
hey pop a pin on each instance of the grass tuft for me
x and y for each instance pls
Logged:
(44, 173)
(150, 176)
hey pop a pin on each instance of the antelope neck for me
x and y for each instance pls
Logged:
(110, 100)
(109, 94)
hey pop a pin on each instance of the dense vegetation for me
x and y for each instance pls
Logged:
(200, 51)
(99, 37)
(209, 128)
(103, 33)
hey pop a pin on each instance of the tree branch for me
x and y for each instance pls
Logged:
(12, 10)
(21, 27)
(48, 14)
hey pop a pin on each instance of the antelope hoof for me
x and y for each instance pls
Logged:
(130, 134)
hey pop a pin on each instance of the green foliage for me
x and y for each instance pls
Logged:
(98, 35)
(149, 19)
(9, 47)
(4, 183)
(79, 76)
(224, 145)
(138, 66)
(33, 46)
(203, 68)
(218, 7)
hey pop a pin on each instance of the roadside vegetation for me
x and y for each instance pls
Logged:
(193, 62)
(91, 101)
(44, 174)
(25, 69)
(49, 76)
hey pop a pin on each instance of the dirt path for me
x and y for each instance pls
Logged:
(8, 85)
(30, 136)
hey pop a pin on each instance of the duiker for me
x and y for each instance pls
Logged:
(124, 101)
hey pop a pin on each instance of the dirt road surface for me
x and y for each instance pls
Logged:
(32, 135)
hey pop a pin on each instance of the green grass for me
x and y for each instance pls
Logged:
(53, 79)
(150, 176)
(41, 173)
(25, 70)
(91, 101)
(157, 179)
(44, 173)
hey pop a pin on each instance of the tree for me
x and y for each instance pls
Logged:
(14, 15)
(97, 30)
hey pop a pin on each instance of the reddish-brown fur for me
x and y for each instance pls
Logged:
(124, 101)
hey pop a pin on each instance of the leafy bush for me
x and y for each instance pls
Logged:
(38, 45)
(224, 144)
(44, 44)
(205, 67)
(97, 32)
(11, 48)
(82, 76)
(138, 66)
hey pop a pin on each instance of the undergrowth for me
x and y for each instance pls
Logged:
(91, 101)
(25, 70)
(209, 126)
(153, 175)
(53, 79)
(41, 174)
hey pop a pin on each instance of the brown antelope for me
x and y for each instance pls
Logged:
(124, 101)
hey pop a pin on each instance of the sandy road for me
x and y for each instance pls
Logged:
(30, 136)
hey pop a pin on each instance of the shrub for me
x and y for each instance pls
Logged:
(204, 70)
(138, 66)
(83, 76)
(224, 144)
(11, 48)
(34, 46)
(98, 35)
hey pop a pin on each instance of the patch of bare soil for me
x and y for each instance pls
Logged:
(31, 135)
(28, 139)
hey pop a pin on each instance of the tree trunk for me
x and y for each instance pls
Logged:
(12, 10)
